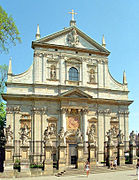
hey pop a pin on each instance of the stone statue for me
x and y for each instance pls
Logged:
(47, 135)
(132, 138)
(79, 136)
(110, 137)
(24, 134)
(52, 129)
(73, 38)
(8, 134)
(91, 135)
(62, 136)
(120, 137)
(92, 76)
(53, 72)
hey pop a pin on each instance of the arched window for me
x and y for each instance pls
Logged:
(73, 74)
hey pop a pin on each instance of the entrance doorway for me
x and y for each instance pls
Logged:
(72, 154)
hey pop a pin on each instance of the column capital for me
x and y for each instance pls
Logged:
(13, 109)
(85, 111)
(103, 112)
(123, 113)
(36, 110)
(63, 110)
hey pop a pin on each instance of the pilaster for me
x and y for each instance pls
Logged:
(63, 122)
(100, 135)
(80, 156)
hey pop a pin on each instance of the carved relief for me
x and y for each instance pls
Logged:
(73, 122)
(72, 38)
(25, 120)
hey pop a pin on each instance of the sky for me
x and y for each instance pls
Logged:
(117, 20)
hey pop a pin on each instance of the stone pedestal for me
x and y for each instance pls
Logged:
(48, 164)
(132, 154)
(62, 157)
(24, 161)
(121, 155)
(110, 153)
(9, 157)
(92, 154)
(80, 156)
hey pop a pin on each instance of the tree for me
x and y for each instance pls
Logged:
(8, 31)
(3, 78)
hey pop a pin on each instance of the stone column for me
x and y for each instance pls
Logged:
(132, 154)
(37, 67)
(121, 156)
(92, 154)
(62, 157)
(80, 156)
(85, 136)
(100, 135)
(48, 164)
(16, 126)
(63, 122)
(121, 121)
(126, 131)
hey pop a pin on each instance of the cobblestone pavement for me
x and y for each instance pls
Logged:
(119, 175)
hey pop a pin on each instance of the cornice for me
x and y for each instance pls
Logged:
(46, 45)
(60, 98)
(45, 84)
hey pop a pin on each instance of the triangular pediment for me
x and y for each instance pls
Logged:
(75, 93)
(74, 38)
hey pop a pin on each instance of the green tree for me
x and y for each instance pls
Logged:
(3, 78)
(8, 31)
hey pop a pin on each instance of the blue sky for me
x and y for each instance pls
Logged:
(117, 20)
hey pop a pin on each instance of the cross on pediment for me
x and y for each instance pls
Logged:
(73, 13)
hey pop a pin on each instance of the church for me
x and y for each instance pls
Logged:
(67, 96)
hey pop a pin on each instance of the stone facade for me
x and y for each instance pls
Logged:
(45, 97)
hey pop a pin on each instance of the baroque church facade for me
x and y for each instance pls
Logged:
(68, 95)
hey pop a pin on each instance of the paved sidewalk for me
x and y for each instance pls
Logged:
(119, 175)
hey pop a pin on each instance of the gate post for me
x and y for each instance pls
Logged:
(48, 164)
(62, 157)
(24, 157)
(132, 148)
(92, 154)
(121, 156)
(110, 153)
